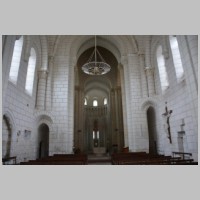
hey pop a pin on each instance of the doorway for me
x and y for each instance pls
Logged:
(43, 141)
(151, 119)
(6, 138)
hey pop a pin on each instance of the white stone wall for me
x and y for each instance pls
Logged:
(58, 95)
(181, 98)
(20, 105)
(59, 103)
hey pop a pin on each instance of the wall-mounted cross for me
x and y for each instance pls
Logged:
(167, 115)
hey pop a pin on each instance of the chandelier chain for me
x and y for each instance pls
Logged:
(96, 67)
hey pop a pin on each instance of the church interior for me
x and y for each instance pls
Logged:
(99, 99)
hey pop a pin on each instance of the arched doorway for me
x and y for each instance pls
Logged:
(151, 119)
(6, 137)
(43, 141)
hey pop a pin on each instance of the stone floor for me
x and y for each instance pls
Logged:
(101, 159)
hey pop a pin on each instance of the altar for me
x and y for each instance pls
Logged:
(99, 151)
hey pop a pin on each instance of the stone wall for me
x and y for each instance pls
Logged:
(53, 101)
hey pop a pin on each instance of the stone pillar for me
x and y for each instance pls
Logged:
(79, 127)
(165, 46)
(134, 97)
(150, 81)
(149, 71)
(116, 117)
(119, 122)
(76, 128)
(124, 72)
(143, 76)
(49, 84)
(41, 89)
(113, 116)
(70, 104)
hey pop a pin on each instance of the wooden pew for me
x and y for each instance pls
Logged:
(142, 158)
(59, 159)
(117, 157)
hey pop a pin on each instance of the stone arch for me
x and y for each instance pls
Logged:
(145, 105)
(155, 43)
(40, 120)
(104, 81)
(70, 47)
(43, 116)
(124, 44)
(150, 103)
(43, 140)
(101, 42)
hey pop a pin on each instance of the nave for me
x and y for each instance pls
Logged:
(125, 158)
(101, 93)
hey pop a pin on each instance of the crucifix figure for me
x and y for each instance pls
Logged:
(167, 115)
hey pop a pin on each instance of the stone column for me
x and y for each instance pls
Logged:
(143, 76)
(80, 117)
(124, 72)
(76, 128)
(149, 70)
(165, 46)
(41, 89)
(119, 124)
(70, 104)
(49, 84)
(150, 81)
(113, 116)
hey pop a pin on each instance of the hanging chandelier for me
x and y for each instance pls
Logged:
(94, 67)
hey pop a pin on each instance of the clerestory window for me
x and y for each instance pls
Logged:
(176, 57)
(162, 69)
(16, 58)
(30, 72)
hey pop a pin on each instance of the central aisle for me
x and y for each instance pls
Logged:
(99, 159)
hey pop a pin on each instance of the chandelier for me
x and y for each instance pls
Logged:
(94, 67)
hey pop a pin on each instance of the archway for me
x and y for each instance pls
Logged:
(43, 141)
(106, 134)
(151, 119)
(6, 137)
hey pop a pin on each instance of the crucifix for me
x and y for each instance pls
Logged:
(167, 115)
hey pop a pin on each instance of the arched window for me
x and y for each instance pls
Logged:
(85, 101)
(95, 103)
(162, 69)
(17, 52)
(176, 57)
(105, 101)
(30, 72)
